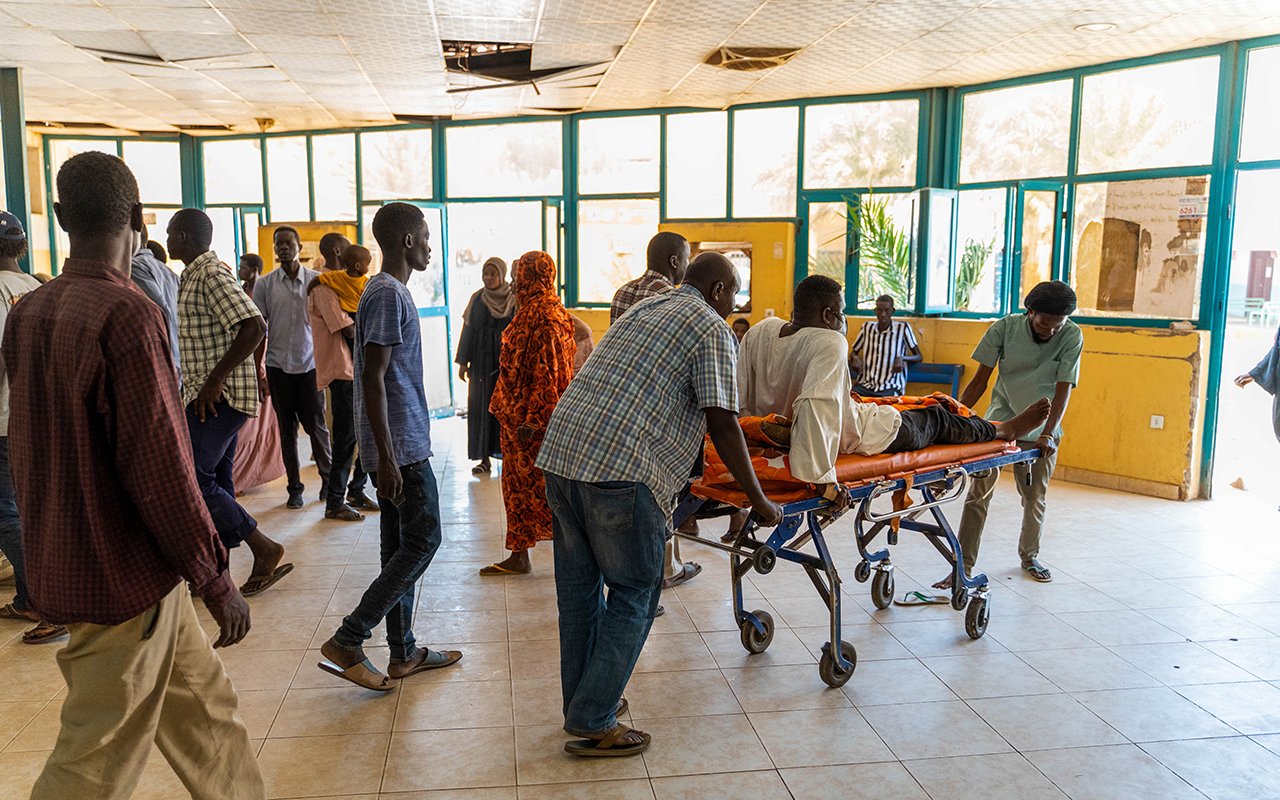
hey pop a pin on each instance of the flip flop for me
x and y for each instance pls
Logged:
(607, 746)
(44, 632)
(257, 584)
(364, 675)
(479, 470)
(687, 573)
(498, 569)
(434, 659)
(10, 611)
(1038, 572)
(922, 599)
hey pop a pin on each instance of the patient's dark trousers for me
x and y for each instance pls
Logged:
(922, 427)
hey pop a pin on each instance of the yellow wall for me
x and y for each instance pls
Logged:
(310, 234)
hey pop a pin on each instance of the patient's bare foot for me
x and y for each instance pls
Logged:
(1032, 417)
(945, 583)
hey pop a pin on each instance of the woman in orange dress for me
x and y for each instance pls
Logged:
(534, 369)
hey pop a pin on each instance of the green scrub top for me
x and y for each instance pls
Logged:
(1027, 370)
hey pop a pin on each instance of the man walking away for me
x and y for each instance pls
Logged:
(115, 525)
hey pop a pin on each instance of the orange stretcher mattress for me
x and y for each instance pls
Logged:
(852, 470)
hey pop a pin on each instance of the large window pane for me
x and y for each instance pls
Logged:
(861, 144)
(697, 165)
(828, 240)
(287, 179)
(396, 165)
(1021, 132)
(1260, 136)
(884, 223)
(764, 162)
(519, 159)
(1038, 237)
(1139, 247)
(224, 236)
(232, 171)
(62, 149)
(333, 159)
(158, 168)
(612, 237)
(1157, 116)
(980, 237)
(618, 155)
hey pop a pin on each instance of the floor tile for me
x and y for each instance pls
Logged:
(994, 675)
(314, 765)
(18, 772)
(686, 694)
(333, 712)
(1205, 623)
(673, 652)
(540, 758)
(15, 718)
(910, 729)
(1107, 773)
(853, 782)
(1111, 628)
(1151, 715)
(703, 745)
(1004, 776)
(787, 688)
(1254, 771)
(1034, 632)
(724, 786)
(786, 648)
(1045, 722)
(879, 683)
(454, 704)
(636, 789)
(940, 638)
(1087, 669)
(1261, 657)
(538, 701)
(1251, 708)
(816, 738)
(478, 758)
(1181, 663)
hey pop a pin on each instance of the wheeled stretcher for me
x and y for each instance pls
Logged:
(939, 475)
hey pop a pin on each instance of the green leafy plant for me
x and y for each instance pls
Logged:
(973, 264)
(884, 256)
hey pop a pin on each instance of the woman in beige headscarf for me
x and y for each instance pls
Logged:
(487, 316)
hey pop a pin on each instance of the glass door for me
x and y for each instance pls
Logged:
(430, 290)
(1038, 225)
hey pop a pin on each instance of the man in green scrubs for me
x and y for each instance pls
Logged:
(1034, 355)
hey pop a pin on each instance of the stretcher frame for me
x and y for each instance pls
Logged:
(804, 521)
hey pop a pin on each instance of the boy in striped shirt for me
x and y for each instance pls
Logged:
(879, 358)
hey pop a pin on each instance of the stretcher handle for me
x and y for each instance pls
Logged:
(958, 475)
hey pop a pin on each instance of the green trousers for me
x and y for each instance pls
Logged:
(1033, 494)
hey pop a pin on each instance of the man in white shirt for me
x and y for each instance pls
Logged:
(797, 369)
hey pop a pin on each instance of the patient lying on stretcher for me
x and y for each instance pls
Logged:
(798, 370)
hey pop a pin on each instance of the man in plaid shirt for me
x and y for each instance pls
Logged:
(618, 451)
(219, 330)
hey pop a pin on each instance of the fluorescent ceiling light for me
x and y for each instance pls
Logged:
(1096, 27)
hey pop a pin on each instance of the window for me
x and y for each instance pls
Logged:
(60, 150)
(1258, 139)
(1157, 116)
(764, 162)
(828, 240)
(158, 168)
(1020, 132)
(333, 171)
(861, 144)
(618, 155)
(157, 222)
(980, 237)
(224, 236)
(697, 165)
(518, 159)
(287, 180)
(612, 238)
(883, 223)
(396, 165)
(232, 171)
(1139, 247)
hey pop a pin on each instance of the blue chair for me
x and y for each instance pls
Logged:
(945, 374)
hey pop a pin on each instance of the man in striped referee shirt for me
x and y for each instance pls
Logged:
(880, 354)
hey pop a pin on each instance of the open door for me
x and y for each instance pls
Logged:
(430, 290)
(1038, 235)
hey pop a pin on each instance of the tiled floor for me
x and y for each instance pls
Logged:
(1149, 668)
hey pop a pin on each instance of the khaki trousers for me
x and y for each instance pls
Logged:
(153, 678)
(977, 503)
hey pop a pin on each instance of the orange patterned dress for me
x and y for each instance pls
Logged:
(534, 369)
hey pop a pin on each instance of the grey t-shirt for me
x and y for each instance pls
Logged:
(159, 283)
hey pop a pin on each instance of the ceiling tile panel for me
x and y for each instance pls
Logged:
(486, 29)
(629, 11)
(184, 46)
(62, 17)
(515, 9)
(552, 56)
(299, 22)
(186, 20)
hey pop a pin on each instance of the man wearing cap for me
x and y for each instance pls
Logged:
(14, 283)
(1037, 355)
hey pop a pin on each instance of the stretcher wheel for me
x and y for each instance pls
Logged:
(882, 589)
(764, 560)
(976, 618)
(830, 672)
(752, 640)
(862, 571)
(959, 598)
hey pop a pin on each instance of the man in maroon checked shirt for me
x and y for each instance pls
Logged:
(114, 524)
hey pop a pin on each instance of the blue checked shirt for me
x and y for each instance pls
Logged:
(634, 411)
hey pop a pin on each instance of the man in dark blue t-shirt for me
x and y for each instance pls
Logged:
(395, 446)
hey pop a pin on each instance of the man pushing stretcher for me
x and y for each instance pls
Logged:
(797, 370)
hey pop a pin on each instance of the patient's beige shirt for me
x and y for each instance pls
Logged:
(805, 377)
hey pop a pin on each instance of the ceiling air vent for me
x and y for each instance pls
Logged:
(751, 59)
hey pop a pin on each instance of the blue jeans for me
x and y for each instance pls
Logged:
(606, 534)
(410, 538)
(11, 529)
(213, 444)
